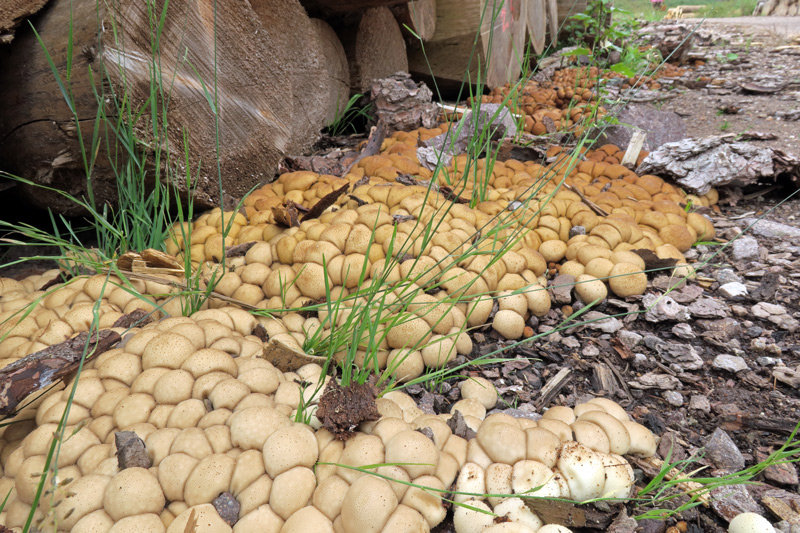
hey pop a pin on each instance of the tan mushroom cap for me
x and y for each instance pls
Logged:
(368, 504)
(618, 438)
(205, 518)
(132, 492)
(480, 389)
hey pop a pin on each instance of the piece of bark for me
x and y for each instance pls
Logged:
(41, 369)
(376, 136)
(239, 250)
(13, 13)
(459, 426)
(402, 104)
(324, 203)
(287, 214)
(553, 386)
(131, 451)
(137, 317)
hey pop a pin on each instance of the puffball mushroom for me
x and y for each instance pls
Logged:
(367, 505)
(626, 279)
(589, 289)
(583, 470)
(131, 492)
(480, 389)
(509, 324)
(416, 452)
(750, 523)
(472, 517)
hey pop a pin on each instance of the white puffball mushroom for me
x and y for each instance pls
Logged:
(516, 511)
(367, 505)
(583, 470)
(480, 389)
(471, 481)
(466, 520)
(643, 442)
(750, 523)
(619, 476)
(554, 528)
(133, 491)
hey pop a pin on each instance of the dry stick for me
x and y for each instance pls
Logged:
(552, 387)
(179, 285)
(593, 206)
(41, 369)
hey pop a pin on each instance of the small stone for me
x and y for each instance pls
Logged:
(571, 342)
(782, 473)
(727, 275)
(688, 294)
(768, 361)
(745, 248)
(731, 363)
(681, 356)
(639, 360)
(766, 309)
(629, 338)
(785, 322)
(653, 342)
(561, 289)
(591, 351)
(731, 290)
(683, 331)
(227, 507)
(773, 230)
(698, 402)
(576, 230)
(662, 308)
(674, 398)
(602, 322)
(708, 308)
(723, 453)
(731, 500)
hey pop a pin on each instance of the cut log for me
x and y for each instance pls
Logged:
(419, 17)
(553, 23)
(537, 24)
(451, 57)
(374, 46)
(266, 74)
(329, 8)
(338, 71)
(13, 13)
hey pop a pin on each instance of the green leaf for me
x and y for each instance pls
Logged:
(578, 52)
(622, 68)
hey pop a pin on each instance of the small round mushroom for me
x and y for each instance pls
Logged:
(503, 443)
(618, 437)
(619, 476)
(304, 520)
(205, 519)
(480, 389)
(583, 470)
(472, 517)
(288, 447)
(292, 490)
(509, 324)
(643, 442)
(368, 504)
(750, 523)
(471, 482)
(590, 435)
(516, 511)
(131, 492)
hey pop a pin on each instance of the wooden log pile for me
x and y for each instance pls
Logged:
(780, 8)
(277, 72)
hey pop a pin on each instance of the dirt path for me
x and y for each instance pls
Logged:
(781, 26)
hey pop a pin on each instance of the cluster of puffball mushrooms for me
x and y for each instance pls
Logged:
(223, 449)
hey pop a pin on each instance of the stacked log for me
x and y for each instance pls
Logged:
(781, 8)
(453, 57)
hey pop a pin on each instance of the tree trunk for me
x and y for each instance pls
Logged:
(329, 8)
(537, 24)
(13, 13)
(267, 68)
(374, 46)
(500, 27)
(338, 71)
(418, 16)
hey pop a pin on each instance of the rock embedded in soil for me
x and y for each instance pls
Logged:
(699, 402)
(723, 452)
(663, 308)
(771, 229)
(731, 363)
(602, 322)
(708, 308)
(732, 290)
(745, 248)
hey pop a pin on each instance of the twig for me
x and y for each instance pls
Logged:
(593, 206)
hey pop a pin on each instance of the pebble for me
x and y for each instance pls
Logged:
(708, 308)
(731, 363)
(571, 342)
(674, 398)
(727, 275)
(661, 308)
(723, 453)
(732, 289)
(698, 402)
(681, 356)
(653, 342)
(773, 230)
(561, 289)
(639, 360)
(745, 248)
(739, 310)
(766, 309)
(602, 322)
(629, 338)
(768, 361)
(683, 331)
(591, 351)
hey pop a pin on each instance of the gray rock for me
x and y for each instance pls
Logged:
(591, 351)
(602, 322)
(768, 228)
(768, 361)
(629, 338)
(708, 308)
(745, 248)
(571, 342)
(653, 342)
(661, 126)
(698, 402)
(723, 453)
(727, 275)
(561, 289)
(766, 309)
(785, 322)
(681, 356)
(662, 308)
(731, 500)
(732, 289)
(683, 331)
(687, 295)
(674, 398)
(731, 363)
(653, 380)
(639, 360)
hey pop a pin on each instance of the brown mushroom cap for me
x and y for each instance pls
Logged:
(368, 504)
(131, 492)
